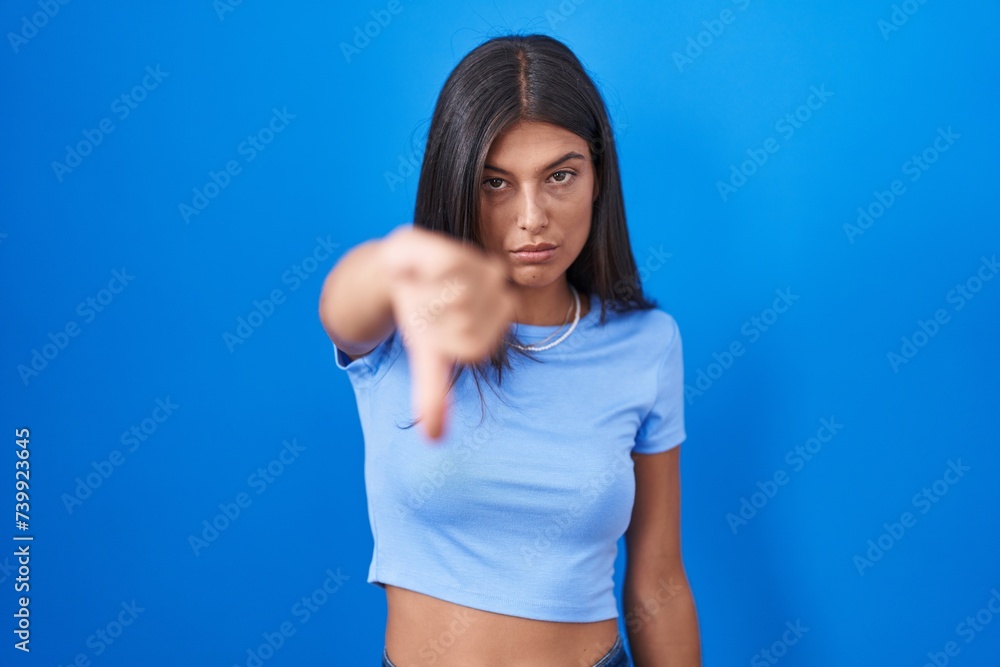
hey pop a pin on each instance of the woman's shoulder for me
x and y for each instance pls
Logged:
(655, 322)
(646, 336)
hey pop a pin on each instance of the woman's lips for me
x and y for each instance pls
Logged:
(534, 256)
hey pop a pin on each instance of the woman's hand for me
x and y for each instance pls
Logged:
(451, 302)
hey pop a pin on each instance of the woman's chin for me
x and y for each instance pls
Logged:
(533, 281)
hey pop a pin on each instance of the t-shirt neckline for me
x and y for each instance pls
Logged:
(541, 331)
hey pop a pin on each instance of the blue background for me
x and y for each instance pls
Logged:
(339, 172)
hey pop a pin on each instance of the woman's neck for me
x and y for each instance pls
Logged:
(551, 305)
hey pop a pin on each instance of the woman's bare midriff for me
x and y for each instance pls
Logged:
(423, 630)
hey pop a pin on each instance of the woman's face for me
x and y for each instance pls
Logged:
(538, 188)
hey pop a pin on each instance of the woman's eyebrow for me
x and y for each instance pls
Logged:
(572, 155)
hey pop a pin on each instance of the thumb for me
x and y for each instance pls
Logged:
(430, 372)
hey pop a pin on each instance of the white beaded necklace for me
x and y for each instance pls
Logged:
(576, 320)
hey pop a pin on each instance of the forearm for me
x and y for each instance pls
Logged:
(354, 306)
(662, 622)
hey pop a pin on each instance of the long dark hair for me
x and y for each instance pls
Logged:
(525, 78)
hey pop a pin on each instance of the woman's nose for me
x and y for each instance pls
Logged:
(531, 213)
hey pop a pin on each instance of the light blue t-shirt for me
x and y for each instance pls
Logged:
(520, 514)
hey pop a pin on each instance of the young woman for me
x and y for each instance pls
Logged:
(496, 524)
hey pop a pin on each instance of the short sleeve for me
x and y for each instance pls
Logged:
(663, 427)
(369, 369)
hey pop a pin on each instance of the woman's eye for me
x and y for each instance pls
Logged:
(561, 176)
(494, 183)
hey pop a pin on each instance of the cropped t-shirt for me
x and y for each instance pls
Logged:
(519, 510)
